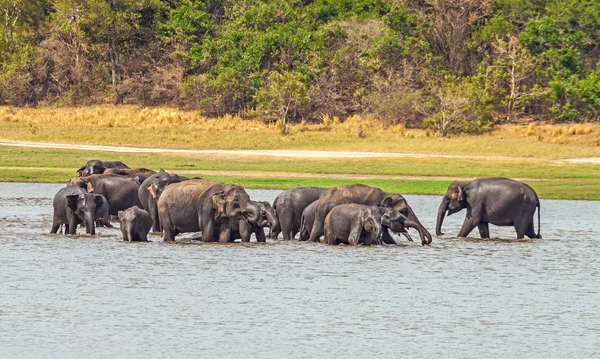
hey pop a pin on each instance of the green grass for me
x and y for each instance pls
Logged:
(549, 178)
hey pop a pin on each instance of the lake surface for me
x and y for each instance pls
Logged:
(100, 297)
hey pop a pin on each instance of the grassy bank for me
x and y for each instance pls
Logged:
(550, 178)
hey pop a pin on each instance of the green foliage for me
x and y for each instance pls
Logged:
(508, 58)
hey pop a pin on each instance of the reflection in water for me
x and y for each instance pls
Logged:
(96, 296)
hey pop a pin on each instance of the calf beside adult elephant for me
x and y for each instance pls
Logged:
(74, 205)
(361, 194)
(352, 224)
(289, 206)
(150, 191)
(244, 228)
(200, 205)
(499, 201)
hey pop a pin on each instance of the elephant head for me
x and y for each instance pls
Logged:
(398, 203)
(267, 216)
(158, 185)
(454, 200)
(398, 223)
(234, 202)
(372, 224)
(84, 206)
(91, 167)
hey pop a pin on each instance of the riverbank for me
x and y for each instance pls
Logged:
(48, 144)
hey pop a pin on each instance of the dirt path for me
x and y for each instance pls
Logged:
(277, 153)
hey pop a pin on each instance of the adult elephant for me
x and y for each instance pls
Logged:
(200, 205)
(120, 192)
(150, 191)
(499, 201)
(289, 206)
(98, 167)
(361, 194)
(74, 205)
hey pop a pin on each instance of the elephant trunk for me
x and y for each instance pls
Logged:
(251, 212)
(272, 218)
(88, 221)
(440, 217)
(422, 231)
(413, 217)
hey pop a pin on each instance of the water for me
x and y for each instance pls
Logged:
(100, 297)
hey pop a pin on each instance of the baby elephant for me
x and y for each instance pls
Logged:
(135, 224)
(352, 224)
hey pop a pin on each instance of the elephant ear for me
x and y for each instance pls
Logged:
(99, 201)
(218, 199)
(461, 194)
(72, 201)
(385, 219)
(386, 203)
(153, 192)
(90, 187)
(120, 215)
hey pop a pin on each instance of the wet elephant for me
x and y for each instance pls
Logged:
(74, 205)
(360, 194)
(200, 205)
(151, 190)
(98, 167)
(120, 192)
(307, 220)
(243, 229)
(352, 224)
(289, 206)
(499, 201)
(135, 224)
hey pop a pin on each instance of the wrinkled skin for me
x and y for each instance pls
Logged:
(243, 229)
(499, 201)
(72, 206)
(360, 194)
(307, 220)
(352, 224)
(102, 214)
(289, 206)
(135, 224)
(199, 205)
(129, 172)
(151, 190)
(120, 192)
(98, 167)
(392, 220)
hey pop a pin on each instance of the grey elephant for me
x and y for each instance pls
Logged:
(151, 190)
(200, 205)
(102, 214)
(352, 224)
(499, 201)
(392, 220)
(98, 167)
(361, 194)
(74, 205)
(120, 192)
(243, 229)
(289, 206)
(307, 220)
(135, 224)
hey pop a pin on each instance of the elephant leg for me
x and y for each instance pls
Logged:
(245, 232)
(260, 235)
(467, 226)
(169, 235)
(66, 228)
(55, 225)
(330, 238)
(355, 232)
(156, 227)
(124, 233)
(521, 227)
(294, 233)
(225, 235)
(484, 229)
(531, 231)
(387, 237)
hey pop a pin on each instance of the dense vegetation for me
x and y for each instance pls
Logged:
(453, 65)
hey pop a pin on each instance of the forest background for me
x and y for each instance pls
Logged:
(449, 65)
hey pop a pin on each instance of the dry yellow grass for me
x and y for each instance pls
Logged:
(176, 128)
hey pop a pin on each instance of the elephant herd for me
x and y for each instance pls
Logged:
(143, 200)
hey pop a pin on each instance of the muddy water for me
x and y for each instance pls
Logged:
(100, 297)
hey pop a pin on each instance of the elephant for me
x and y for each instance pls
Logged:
(129, 172)
(352, 224)
(243, 229)
(307, 220)
(289, 206)
(361, 194)
(72, 206)
(150, 191)
(392, 220)
(98, 167)
(200, 205)
(102, 214)
(120, 192)
(135, 224)
(499, 201)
